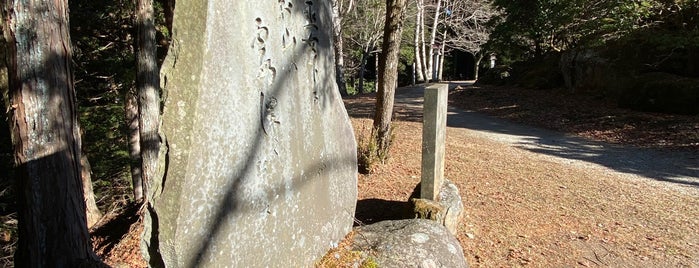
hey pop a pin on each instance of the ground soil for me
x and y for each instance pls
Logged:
(524, 208)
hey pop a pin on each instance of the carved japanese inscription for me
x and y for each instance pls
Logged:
(261, 159)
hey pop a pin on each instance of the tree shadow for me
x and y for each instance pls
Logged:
(374, 210)
(407, 106)
(680, 167)
(675, 166)
(360, 106)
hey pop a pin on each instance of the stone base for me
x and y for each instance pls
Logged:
(447, 210)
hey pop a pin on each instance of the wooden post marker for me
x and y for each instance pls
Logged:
(434, 127)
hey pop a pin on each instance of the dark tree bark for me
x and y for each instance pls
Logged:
(169, 10)
(46, 137)
(388, 73)
(147, 85)
(134, 134)
(362, 71)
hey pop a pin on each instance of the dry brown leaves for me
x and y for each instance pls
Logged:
(525, 210)
(117, 238)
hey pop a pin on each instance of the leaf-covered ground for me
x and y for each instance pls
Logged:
(522, 208)
(526, 209)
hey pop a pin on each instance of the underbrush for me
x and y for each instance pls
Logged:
(369, 153)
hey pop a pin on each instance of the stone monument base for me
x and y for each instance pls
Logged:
(447, 210)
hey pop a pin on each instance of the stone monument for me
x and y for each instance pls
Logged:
(439, 198)
(434, 133)
(259, 161)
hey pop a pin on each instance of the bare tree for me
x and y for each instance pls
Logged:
(364, 28)
(432, 41)
(468, 28)
(442, 53)
(46, 136)
(426, 46)
(418, 69)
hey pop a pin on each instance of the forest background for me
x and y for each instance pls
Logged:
(655, 41)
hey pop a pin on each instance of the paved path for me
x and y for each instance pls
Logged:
(678, 170)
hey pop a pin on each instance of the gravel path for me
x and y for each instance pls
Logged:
(677, 170)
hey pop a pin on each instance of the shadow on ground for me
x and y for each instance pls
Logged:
(375, 210)
(674, 166)
(408, 108)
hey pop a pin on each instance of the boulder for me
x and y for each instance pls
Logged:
(630, 73)
(662, 92)
(260, 167)
(409, 243)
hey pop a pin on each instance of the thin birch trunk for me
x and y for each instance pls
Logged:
(433, 37)
(417, 65)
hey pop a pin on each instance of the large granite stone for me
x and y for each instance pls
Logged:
(409, 243)
(260, 168)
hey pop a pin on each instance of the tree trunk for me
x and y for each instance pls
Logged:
(477, 65)
(362, 70)
(442, 49)
(376, 72)
(337, 43)
(147, 85)
(92, 211)
(169, 13)
(423, 49)
(388, 73)
(46, 137)
(131, 111)
(412, 81)
(417, 65)
(433, 38)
